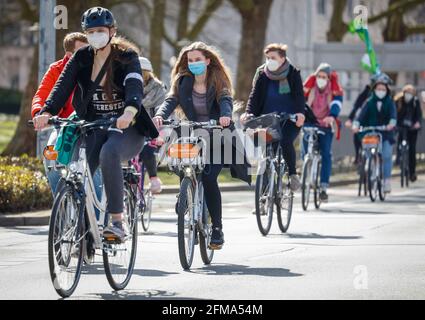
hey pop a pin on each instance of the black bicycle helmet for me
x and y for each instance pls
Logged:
(381, 78)
(97, 17)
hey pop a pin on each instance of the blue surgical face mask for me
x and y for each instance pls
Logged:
(198, 68)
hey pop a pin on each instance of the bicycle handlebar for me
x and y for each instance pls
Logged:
(204, 125)
(97, 124)
(373, 128)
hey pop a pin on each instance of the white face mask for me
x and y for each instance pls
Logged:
(408, 97)
(272, 65)
(380, 94)
(98, 40)
(321, 83)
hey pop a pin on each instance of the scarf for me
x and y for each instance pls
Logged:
(320, 102)
(280, 75)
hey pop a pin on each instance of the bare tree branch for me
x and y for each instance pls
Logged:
(401, 7)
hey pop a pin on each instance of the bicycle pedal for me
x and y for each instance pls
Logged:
(215, 246)
(112, 240)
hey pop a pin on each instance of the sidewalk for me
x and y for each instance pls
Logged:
(41, 218)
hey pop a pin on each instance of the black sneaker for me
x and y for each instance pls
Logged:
(217, 239)
(413, 177)
(323, 196)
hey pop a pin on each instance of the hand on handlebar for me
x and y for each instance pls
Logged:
(125, 120)
(158, 120)
(245, 117)
(300, 120)
(41, 121)
(225, 121)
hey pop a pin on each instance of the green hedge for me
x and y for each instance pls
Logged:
(23, 185)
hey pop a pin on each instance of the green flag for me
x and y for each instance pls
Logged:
(369, 61)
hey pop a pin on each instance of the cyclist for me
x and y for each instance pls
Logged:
(409, 114)
(380, 110)
(324, 95)
(119, 94)
(201, 85)
(71, 43)
(154, 96)
(277, 87)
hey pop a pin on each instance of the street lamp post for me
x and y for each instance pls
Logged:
(47, 53)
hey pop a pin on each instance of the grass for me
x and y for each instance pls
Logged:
(7, 129)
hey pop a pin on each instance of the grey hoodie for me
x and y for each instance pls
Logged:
(154, 95)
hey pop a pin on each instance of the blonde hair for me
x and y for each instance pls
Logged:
(398, 97)
(218, 74)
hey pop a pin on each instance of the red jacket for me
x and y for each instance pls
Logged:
(46, 86)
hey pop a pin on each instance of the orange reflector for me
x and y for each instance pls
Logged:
(371, 140)
(183, 151)
(49, 153)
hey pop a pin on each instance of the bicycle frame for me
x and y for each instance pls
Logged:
(313, 153)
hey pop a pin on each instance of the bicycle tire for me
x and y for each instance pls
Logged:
(259, 195)
(305, 189)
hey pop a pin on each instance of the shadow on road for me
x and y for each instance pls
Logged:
(133, 295)
(320, 236)
(236, 269)
(98, 269)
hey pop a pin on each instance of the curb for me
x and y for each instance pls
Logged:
(28, 219)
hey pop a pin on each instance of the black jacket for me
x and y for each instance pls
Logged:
(359, 103)
(127, 79)
(411, 111)
(221, 106)
(218, 106)
(257, 97)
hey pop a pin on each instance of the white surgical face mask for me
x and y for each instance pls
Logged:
(272, 65)
(98, 40)
(380, 94)
(321, 83)
(408, 97)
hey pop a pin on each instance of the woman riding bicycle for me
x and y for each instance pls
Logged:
(118, 95)
(409, 115)
(324, 95)
(380, 110)
(154, 95)
(201, 85)
(277, 87)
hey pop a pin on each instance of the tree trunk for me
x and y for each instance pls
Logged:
(24, 140)
(254, 28)
(337, 27)
(156, 35)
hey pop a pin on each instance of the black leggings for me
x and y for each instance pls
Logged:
(109, 149)
(289, 133)
(212, 192)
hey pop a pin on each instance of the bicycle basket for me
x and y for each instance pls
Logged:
(370, 140)
(267, 127)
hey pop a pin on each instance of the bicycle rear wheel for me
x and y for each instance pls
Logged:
(65, 241)
(147, 212)
(306, 184)
(373, 183)
(186, 230)
(382, 194)
(264, 201)
(119, 258)
(317, 201)
(285, 205)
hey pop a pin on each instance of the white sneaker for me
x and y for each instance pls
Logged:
(387, 186)
(155, 185)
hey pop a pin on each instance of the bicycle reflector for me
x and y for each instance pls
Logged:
(49, 153)
(370, 140)
(183, 151)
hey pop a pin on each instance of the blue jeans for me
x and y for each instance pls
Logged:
(387, 157)
(325, 147)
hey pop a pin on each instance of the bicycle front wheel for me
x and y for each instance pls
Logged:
(373, 183)
(264, 201)
(317, 201)
(306, 184)
(119, 257)
(285, 204)
(65, 242)
(186, 229)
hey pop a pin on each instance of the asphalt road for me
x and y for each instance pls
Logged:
(350, 249)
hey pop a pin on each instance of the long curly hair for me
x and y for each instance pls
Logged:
(218, 74)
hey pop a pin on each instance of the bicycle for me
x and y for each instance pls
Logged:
(74, 231)
(311, 168)
(272, 186)
(372, 164)
(403, 149)
(187, 158)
